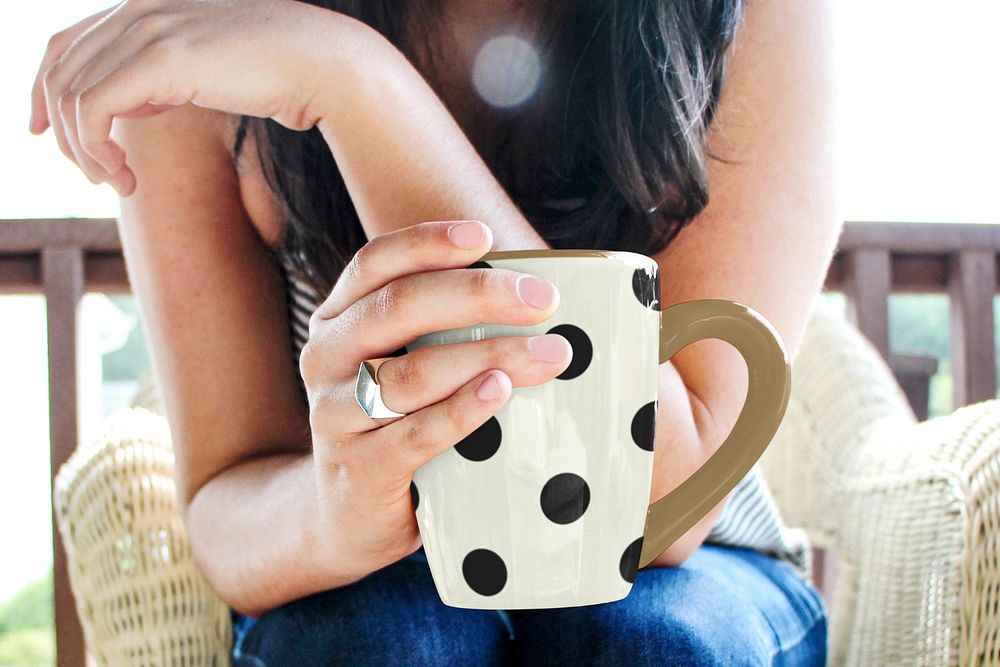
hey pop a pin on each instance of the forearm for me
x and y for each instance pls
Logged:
(252, 534)
(405, 160)
(402, 155)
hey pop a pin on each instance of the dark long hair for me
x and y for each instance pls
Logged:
(617, 130)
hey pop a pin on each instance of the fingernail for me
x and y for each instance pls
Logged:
(467, 234)
(489, 389)
(536, 292)
(552, 348)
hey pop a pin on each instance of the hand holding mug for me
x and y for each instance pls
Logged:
(398, 286)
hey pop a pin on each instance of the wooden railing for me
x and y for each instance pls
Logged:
(64, 258)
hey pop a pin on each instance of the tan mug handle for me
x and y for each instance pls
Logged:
(763, 409)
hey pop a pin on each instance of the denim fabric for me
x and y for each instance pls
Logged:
(725, 605)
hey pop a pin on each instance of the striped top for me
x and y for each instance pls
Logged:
(750, 517)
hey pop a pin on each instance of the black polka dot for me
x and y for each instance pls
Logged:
(484, 571)
(583, 351)
(482, 443)
(644, 426)
(414, 495)
(565, 498)
(646, 285)
(629, 563)
(479, 265)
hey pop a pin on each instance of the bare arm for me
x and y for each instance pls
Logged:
(213, 312)
(767, 235)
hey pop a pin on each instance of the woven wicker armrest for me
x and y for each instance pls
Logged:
(914, 523)
(909, 509)
(140, 596)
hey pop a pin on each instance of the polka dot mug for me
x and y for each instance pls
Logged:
(545, 504)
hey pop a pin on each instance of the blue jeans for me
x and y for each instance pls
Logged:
(724, 605)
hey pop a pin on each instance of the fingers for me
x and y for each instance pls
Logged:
(422, 247)
(57, 46)
(432, 374)
(107, 70)
(90, 112)
(60, 98)
(417, 304)
(77, 67)
(406, 444)
(100, 158)
(102, 55)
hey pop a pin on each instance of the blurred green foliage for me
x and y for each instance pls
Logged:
(27, 638)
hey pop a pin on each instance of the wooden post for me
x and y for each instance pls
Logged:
(63, 284)
(867, 285)
(972, 282)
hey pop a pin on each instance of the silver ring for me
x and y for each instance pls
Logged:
(369, 393)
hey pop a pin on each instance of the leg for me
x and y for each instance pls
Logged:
(393, 616)
(723, 606)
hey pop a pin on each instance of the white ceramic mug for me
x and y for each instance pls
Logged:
(545, 504)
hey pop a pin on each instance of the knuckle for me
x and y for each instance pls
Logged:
(308, 363)
(150, 24)
(56, 40)
(314, 326)
(482, 282)
(85, 100)
(415, 433)
(66, 101)
(360, 262)
(51, 76)
(388, 298)
(406, 373)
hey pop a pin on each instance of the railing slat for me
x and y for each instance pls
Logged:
(972, 279)
(63, 283)
(97, 234)
(922, 237)
(867, 285)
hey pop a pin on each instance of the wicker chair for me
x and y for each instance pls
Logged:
(910, 509)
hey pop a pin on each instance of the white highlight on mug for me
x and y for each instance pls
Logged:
(506, 71)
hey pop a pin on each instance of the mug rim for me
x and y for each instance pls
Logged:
(559, 252)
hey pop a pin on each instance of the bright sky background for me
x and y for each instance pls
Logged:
(919, 135)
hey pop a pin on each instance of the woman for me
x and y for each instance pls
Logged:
(390, 122)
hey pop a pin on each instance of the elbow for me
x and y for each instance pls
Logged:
(200, 549)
